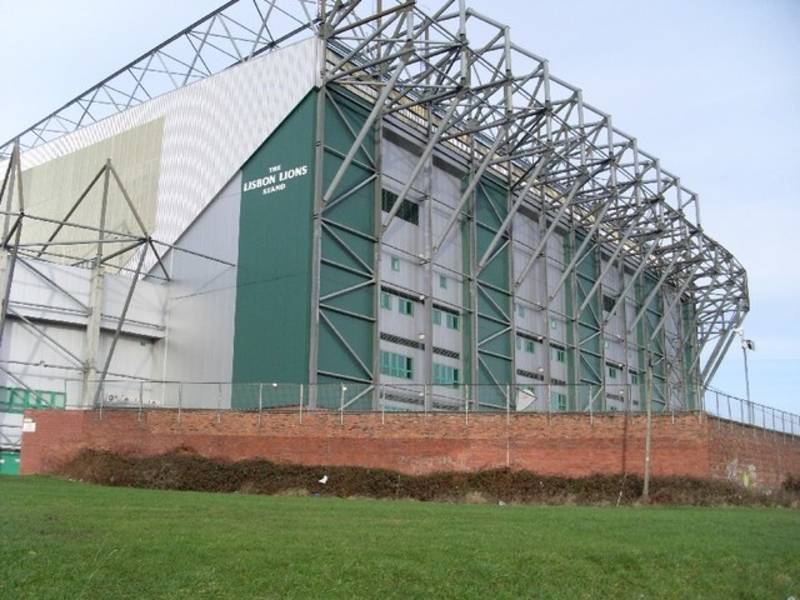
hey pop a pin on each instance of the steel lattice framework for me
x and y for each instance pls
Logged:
(456, 79)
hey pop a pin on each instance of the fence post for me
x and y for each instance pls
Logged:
(341, 405)
(591, 405)
(180, 401)
(102, 402)
(260, 401)
(547, 400)
(508, 404)
(141, 399)
(467, 398)
(219, 403)
(382, 400)
(302, 392)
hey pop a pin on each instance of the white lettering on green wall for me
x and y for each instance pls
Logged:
(275, 180)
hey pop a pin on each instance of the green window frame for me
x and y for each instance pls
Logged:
(386, 301)
(634, 378)
(445, 375)
(452, 321)
(443, 282)
(530, 346)
(558, 355)
(395, 264)
(437, 316)
(405, 306)
(612, 372)
(519, 343)
(558, 401)
(520, 310)
(397, 365)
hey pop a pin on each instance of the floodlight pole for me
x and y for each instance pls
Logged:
(746, 370)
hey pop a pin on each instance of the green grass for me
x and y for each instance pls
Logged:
(60, 539)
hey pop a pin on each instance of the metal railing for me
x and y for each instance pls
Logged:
(732, 408)
(346, 398)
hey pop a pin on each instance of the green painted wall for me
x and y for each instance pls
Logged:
(494, 300)
(347, 265)
(274, 268)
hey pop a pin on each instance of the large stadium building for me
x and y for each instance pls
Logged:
(404, 204)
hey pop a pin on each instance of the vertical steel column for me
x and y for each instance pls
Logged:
(428, 268)
(377, 216)
(316, 250)
(95, 304)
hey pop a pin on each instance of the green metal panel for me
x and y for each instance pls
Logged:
(650, 320)
(493, 303)
(273, 276)
(9, 463)
(689, 374)
(347, 247)
(16, 400)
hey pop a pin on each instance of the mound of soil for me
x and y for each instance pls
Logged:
(184, 470)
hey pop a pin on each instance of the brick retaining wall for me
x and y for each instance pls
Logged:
(414, 443)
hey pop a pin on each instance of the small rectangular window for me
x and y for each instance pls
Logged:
(437, 316)
(529, 346)
(408, 211)
(445, 375)
(608, 303)
(405, 306)
(558, 354)
(558, 401)
(386, 301)
(443, 282)
(396, 365)
(520, 310)
(553, 324)
(635, 378)
(519, 343)
(452, 321)
(612, 372)
(395, 263)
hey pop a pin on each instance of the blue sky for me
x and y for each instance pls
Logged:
(710, 87)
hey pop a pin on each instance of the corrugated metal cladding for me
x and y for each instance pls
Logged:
(210, 128)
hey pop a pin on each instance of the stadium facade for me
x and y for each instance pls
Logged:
(359, 193)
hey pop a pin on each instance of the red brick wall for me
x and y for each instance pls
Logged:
(571, 445)
(751, 455)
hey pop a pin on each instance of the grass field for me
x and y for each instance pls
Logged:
(61, 539)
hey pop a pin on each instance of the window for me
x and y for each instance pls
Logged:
(408, 211)
(445, 375)
(437, 316)
(405, 306)
(386, 301)
(395, 263)
(553, 324)
(530, 346)
(608, 303)
(558, 354)
(443, 282)
(396, 365)
(452, 321)
(635, 378)
(519, 343)
(612, 372)
(558, 401)
(520, 310)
